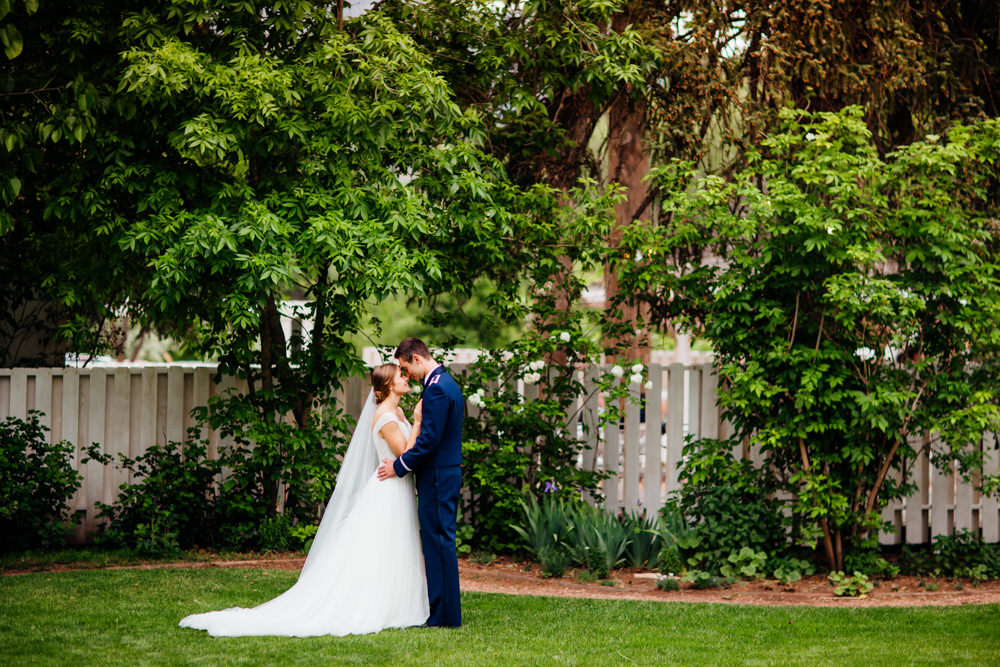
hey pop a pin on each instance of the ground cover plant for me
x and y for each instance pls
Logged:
(130, 616)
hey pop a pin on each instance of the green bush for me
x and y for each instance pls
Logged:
(963, 554)
(865, 557)
(668, 584)
(37, 481)
(275, 534)
(727, 505)
(173, 503)
(560, 533)
(511, 444)
(854, 308)
(303, 535)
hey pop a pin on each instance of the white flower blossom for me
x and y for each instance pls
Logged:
(830, 229)
(617, 371)
(476, 400)
(637, 368)
(636, 378)
(565, 336)
(649, 384)
(532, 378)
(864, 353)
(964, 302)
(537, 365)
(810, 136)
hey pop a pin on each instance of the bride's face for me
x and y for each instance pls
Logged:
(401, 383)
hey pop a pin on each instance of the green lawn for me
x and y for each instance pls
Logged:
(130, 617)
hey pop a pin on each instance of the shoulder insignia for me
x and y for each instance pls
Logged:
(434, 379)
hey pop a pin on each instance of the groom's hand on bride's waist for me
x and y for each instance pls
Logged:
(385, 470)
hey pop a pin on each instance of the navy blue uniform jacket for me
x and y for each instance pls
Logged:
(440, 441)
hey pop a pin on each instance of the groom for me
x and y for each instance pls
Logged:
(436, 458)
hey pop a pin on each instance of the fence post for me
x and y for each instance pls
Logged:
(942, 490)
(654, 445)
(611, 456)
(675, 425)
(630, 479)
(989, 509)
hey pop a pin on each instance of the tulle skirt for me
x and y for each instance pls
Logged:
(366, 577)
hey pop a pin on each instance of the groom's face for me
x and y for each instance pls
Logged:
(412, 368)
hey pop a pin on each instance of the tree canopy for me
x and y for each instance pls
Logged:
(852, 301)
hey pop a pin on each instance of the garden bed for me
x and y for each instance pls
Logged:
(506, 575)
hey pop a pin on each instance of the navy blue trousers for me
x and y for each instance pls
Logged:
(438, 490)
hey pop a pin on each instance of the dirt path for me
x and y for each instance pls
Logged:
(520, 578)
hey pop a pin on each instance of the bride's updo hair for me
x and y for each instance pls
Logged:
(382, 377)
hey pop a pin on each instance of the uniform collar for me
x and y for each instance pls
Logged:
(427, 378)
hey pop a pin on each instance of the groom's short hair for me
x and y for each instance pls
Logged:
(410, 347)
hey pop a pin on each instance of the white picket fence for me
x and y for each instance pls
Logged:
(127, 409)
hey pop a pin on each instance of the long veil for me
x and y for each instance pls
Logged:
(360, 462)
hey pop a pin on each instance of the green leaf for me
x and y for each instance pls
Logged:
(12, 41)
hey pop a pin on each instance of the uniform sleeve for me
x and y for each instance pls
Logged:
(435, 414)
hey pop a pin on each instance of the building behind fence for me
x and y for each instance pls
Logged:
(127, 409)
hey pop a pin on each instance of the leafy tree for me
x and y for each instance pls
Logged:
(913, 67)
(332, 164)
(197, 163)
(61, 125)
(852, 300)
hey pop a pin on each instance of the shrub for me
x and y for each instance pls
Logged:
(511, 444)
(854, 307)
(728, 505)
(275, 533)
(180, 498)
(866, 558)
(302, 536)
(37, 480)
(963, 554)
(965, 551)
(668, 584)
(171, 505)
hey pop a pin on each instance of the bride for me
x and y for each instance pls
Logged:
(365, 570)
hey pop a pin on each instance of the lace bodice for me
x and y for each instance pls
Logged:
(381, 446)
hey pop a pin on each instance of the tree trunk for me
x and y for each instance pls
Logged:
(628, 164)
(273, 357)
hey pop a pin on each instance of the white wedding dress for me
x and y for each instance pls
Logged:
(365, 570)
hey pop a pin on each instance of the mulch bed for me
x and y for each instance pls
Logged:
(505, 575)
